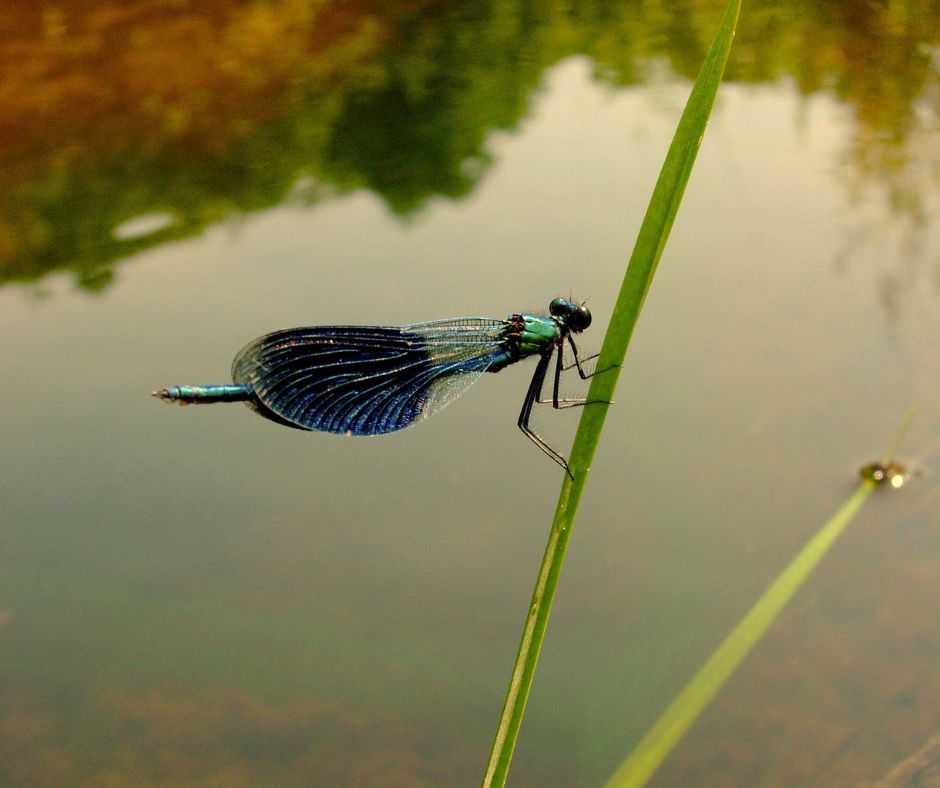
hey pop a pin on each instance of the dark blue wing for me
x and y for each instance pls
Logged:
(367, 380)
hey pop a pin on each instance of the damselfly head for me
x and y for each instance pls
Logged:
(577, 317)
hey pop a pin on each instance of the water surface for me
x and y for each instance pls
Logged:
(196, 595)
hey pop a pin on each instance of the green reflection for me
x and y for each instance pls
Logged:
(198, 112)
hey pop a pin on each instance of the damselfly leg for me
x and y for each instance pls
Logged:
(534, 394)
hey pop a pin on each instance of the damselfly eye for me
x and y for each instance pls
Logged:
(560, 308)
(580, 318)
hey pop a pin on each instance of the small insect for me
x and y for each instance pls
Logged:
(885, 472)
(371, 380)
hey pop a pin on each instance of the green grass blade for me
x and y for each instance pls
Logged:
(659, 741)
(650, 242)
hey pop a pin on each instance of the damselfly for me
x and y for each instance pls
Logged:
(369, 380)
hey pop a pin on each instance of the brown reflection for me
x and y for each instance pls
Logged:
(919, 770)
(117, 110)
(222, 738)
(229, 738)
(112, 110)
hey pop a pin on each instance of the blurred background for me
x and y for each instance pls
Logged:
(201, 597)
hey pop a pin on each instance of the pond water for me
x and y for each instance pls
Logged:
(199, 596)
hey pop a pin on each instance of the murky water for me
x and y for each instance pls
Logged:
(195, 596)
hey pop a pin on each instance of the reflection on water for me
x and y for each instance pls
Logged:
(205, 598)
(921, 770)
(222, 738)
(140, 226)
(113, 111)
